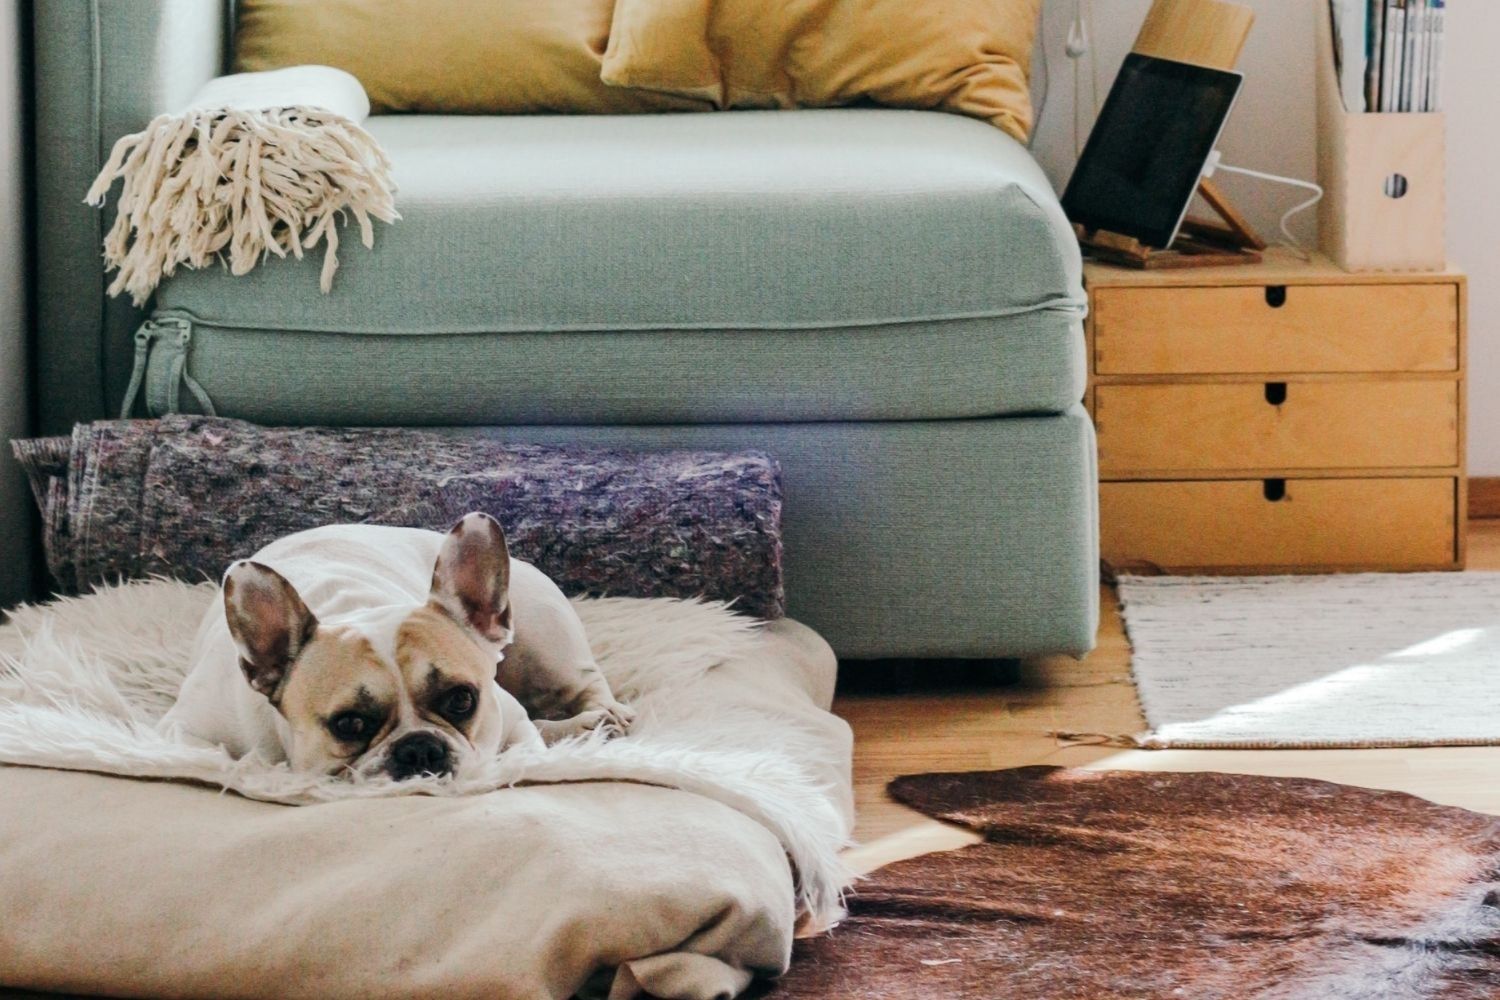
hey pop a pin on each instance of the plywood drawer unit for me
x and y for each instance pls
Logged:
(1145, 429)
(1276, 328)
(1280, 417)
(1279, 525)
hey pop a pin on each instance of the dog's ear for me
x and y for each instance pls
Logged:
(471, 581)
(269, 622)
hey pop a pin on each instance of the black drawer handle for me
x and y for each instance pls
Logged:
(1273, 490)
(1275, 296)
(1276, 393)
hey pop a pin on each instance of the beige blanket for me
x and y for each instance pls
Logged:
(151, 889)
(124, 887)
(257, 164)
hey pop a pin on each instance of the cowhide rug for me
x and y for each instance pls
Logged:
(1113, 884)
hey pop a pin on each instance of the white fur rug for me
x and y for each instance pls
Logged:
(83, 680)
(1357, 660)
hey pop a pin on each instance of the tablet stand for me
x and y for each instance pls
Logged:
(1199, 242)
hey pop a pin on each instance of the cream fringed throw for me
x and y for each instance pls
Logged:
(258, 163)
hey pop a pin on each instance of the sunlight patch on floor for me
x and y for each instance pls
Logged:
(1445, 643)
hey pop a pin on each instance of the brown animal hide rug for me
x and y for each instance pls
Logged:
(1112, 884)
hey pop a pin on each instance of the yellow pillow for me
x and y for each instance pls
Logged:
(449, 56)
(968, 56)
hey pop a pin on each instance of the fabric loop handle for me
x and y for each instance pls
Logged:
(144, 334)
(178, 375)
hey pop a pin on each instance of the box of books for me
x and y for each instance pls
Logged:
(1381, 134)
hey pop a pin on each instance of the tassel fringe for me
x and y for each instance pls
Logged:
(1122, 741)
(237, 185)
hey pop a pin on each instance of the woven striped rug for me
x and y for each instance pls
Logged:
(1359, 660)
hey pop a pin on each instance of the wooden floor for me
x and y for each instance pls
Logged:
(969, 725)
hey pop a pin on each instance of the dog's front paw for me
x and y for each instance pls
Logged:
(612, 720)
(619, 717)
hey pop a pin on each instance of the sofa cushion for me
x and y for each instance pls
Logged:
(901, 264)
(456, 57)
(967, 56)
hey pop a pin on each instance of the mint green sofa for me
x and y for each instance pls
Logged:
(890, 302)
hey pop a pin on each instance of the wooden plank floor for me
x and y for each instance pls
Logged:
(974, 725)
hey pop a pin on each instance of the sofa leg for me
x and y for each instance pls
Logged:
(899, 675)
(999, 673)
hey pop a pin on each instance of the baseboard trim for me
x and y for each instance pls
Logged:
(1484, 496)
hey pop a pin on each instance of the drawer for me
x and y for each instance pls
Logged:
(1276, 425)
(1291, 524)
(1283, 328)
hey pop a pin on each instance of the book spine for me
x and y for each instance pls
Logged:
(1349, 39)
(1408, 53)
(1395, 15)
(1435, 59)
(1374, 45)
(1418, 69)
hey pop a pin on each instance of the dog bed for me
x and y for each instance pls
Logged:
(185, 496)
(674, 862)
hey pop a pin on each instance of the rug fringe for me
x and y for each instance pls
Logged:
(240, 184)
(1124, 741)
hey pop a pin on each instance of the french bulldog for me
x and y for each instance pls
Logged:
(357, 650)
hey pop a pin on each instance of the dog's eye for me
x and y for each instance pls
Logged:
(458, 704)
(350, 726)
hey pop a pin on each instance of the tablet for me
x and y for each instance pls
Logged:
(1143, 159)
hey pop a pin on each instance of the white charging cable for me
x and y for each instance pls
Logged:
(1079, 45)
(1215, 162)
(1041, 81)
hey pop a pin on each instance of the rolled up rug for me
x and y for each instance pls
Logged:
(257, 163)
(184, 496)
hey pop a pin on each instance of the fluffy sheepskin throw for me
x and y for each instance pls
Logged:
(256, 164)
(84, 680)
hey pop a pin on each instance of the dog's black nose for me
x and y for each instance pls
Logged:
(418, 754)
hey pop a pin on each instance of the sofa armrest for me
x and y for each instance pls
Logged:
(103, 68)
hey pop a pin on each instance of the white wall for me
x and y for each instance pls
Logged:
(1274, 128)
(1472, 101)
(14, 500)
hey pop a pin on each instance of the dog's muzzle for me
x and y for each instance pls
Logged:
(418, 755)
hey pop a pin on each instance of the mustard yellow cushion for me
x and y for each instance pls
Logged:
(968, 56)
(450, 56)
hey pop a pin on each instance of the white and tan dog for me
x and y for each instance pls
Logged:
(363, 650)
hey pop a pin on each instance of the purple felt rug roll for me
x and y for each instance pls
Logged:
(185, 496)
